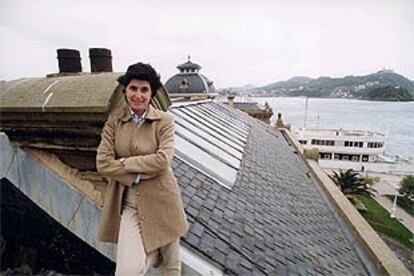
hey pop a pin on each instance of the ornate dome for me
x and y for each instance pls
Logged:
(189, 80)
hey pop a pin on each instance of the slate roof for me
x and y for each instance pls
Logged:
(275, 220)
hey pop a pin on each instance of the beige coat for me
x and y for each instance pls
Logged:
(148, 149)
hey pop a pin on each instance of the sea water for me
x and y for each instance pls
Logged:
(394, 119)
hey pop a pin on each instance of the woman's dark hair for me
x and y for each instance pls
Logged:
(141, 71)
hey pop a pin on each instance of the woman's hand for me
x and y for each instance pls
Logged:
(145, 176)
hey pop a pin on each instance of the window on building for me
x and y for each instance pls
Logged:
(322, 142)
(327, 156)
(355, 144)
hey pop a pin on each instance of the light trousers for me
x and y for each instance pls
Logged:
(131, 258)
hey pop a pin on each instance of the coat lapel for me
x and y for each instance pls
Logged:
(152, 114)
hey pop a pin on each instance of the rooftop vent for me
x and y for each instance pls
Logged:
(101, 60)
(69, 61)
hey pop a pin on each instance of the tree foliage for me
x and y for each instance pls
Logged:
(370, 180)
(352, 183)
(388, 93)
(407, 187)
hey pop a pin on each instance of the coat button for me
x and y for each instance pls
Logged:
(138, 193)
(141, 218)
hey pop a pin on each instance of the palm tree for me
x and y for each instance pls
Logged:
(407, 187)
(352, 183)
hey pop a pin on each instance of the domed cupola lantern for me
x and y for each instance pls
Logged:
(189, 82)
(189, 67)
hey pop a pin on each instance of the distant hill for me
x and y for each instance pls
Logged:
(388, 93)
(347, 87)
(294, 82)
(245, 89)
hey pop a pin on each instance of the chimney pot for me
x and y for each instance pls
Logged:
(101, 60)
(230, 100)
(69, 61)
(279, 121)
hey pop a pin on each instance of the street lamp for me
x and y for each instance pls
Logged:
(394, 205)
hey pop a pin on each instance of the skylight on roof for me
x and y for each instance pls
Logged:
(211, 140)
(205, 123)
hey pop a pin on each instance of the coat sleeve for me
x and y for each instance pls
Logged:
(161, 159)
(106, 163)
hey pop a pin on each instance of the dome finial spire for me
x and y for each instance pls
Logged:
(189, 57)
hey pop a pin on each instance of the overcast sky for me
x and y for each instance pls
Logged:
(235, 42)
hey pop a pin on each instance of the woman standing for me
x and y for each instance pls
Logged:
(142, 211)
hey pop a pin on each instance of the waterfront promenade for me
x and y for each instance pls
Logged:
(387, 186)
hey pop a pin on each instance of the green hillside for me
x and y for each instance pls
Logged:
(384, 85)
(388, 93)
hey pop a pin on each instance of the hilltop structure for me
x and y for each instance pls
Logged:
(254, 204)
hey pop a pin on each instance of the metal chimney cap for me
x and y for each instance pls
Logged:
(72, 53)
(100, 52)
